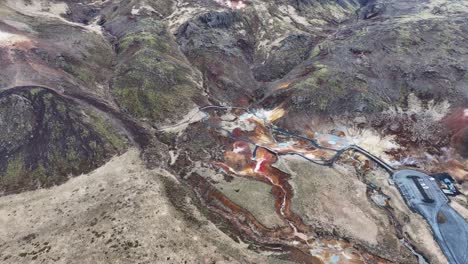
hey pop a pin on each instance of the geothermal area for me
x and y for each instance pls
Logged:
(250, 131)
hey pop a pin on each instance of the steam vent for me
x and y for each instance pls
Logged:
(234, 131)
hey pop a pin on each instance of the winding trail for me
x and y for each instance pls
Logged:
(313, 142)
(254, 152)
(264, 155)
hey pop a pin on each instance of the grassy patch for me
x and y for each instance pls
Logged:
(144, 39)
(312, 82)
(105, 129)
(14, 171)
(153, 85)
(325, 88)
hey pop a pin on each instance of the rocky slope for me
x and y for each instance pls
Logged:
(83, 81)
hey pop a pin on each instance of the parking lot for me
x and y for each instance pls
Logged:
(423, 195)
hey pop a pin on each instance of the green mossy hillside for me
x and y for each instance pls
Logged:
(49, 139)
(153, 80)
(325, 91)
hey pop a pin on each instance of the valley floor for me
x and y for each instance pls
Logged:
(120, 213)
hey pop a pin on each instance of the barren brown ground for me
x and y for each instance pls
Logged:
(119, 213)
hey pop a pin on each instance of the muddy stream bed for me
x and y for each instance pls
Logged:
(252, 147)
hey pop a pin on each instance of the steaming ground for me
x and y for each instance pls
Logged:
(7, 39)
(119, 213)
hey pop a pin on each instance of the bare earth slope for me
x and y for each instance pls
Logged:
(119, 213)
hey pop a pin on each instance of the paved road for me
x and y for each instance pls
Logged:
(423, 195)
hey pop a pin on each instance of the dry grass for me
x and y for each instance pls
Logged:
(117, 214)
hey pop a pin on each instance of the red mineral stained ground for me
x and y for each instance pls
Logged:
(253, 158)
